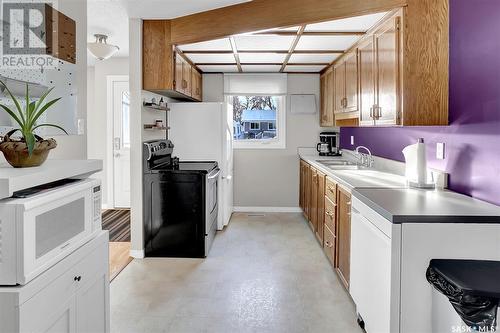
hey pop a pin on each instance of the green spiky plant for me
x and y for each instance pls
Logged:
(27, 117)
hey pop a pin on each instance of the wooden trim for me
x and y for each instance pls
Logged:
(292, 48)
(270, 14)
(179, 52)
(157, 55)
(235, 53)
(266, 51)
(311, 33)
(261, 63)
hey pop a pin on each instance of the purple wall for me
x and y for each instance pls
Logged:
(473, 137)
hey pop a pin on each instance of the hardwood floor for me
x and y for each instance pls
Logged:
(118, 257)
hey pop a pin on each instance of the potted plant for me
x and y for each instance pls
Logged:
(30, 150)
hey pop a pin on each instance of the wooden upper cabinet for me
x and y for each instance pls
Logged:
(165, 71)
(339, 87)
(196, 85)
(343, 235)
(387, 61)
(351, 82)
(327, 118)
(366, 56)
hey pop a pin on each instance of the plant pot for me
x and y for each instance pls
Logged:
(16, 152)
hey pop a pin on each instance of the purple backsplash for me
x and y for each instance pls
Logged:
(472, 153)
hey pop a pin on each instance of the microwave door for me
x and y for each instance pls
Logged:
(53, 229)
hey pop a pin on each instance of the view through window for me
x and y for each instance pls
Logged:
(255, 117)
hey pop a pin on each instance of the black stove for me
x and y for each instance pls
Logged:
(180, 204)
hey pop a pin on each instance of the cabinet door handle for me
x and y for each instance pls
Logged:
(371, 112)
(329, 213)
(78, 278)
(379, 112)
(328, 244)
(331, 189)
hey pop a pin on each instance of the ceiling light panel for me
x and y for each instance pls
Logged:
(213, 58)
(313, 58)
(261, 68)
(307, 69)
(263, 42)
(358, 23)
(262, 57)
(211, 45)
(290, 29)
(218, 68)
(326, 42)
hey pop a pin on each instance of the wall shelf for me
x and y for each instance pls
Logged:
(152, 127)
(156, 107)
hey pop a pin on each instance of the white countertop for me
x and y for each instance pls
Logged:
(362, 178)
(15, 179)
(388, 195)
(424, 206)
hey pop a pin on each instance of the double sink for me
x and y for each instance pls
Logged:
(341, 165)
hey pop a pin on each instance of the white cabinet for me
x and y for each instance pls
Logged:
(389, 262)
(72, 296)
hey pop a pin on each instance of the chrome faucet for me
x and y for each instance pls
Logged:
(365, 159)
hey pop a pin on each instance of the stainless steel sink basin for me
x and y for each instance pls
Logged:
(340, 165)
(335, 162)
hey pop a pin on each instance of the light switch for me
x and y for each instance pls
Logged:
(81, 126)
(352, 140)
(440, 151)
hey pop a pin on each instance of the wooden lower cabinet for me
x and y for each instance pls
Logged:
(329, 245)
(320, 213)
(313, 214)
(343, 234)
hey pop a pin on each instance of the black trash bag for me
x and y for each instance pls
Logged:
(478, 312)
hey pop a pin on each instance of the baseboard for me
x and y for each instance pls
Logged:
(137, 254)
(241, 209)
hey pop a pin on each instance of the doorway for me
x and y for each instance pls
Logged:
(116, 218)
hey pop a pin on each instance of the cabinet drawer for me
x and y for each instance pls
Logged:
(331, 189)
(329, 245)
(330, 211)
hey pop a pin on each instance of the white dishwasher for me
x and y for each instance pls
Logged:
(372, 272)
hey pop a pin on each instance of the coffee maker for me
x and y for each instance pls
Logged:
(329, 144)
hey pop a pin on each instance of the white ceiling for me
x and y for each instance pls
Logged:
(110, 17)
(267, 50)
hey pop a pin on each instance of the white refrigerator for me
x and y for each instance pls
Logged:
(204, 132)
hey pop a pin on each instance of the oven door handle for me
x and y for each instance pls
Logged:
(215, 175)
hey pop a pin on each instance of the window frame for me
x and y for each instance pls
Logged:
(278, 142)
(254, 123)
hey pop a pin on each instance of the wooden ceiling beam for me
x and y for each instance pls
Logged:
(312, 33)
(292, 48)
(261, 64)
(269, 14)
(235, 53)
(266, 51)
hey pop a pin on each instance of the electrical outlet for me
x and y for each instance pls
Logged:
(352, 140)
(440, 151)
(81, 126)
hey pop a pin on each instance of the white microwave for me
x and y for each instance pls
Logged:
(39, 229)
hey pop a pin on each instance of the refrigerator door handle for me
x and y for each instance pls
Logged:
(227, 177)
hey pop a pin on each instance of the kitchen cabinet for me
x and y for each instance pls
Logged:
(320, 219)
(346, 83)
(165, 70)
(196, 85)
(329, 219)
(343, 234)
(60, 35)
(327, 117)
(313, 213)
(379, 62)
(305, 188)
(72, 296)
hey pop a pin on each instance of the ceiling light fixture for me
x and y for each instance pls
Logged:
(101, 49)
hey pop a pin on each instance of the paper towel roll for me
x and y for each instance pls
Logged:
(416, 162)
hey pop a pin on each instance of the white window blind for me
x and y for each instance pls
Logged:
(255, 84)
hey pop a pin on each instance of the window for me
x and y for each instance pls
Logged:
(259, 121)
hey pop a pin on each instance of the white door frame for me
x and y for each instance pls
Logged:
(109, 137)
